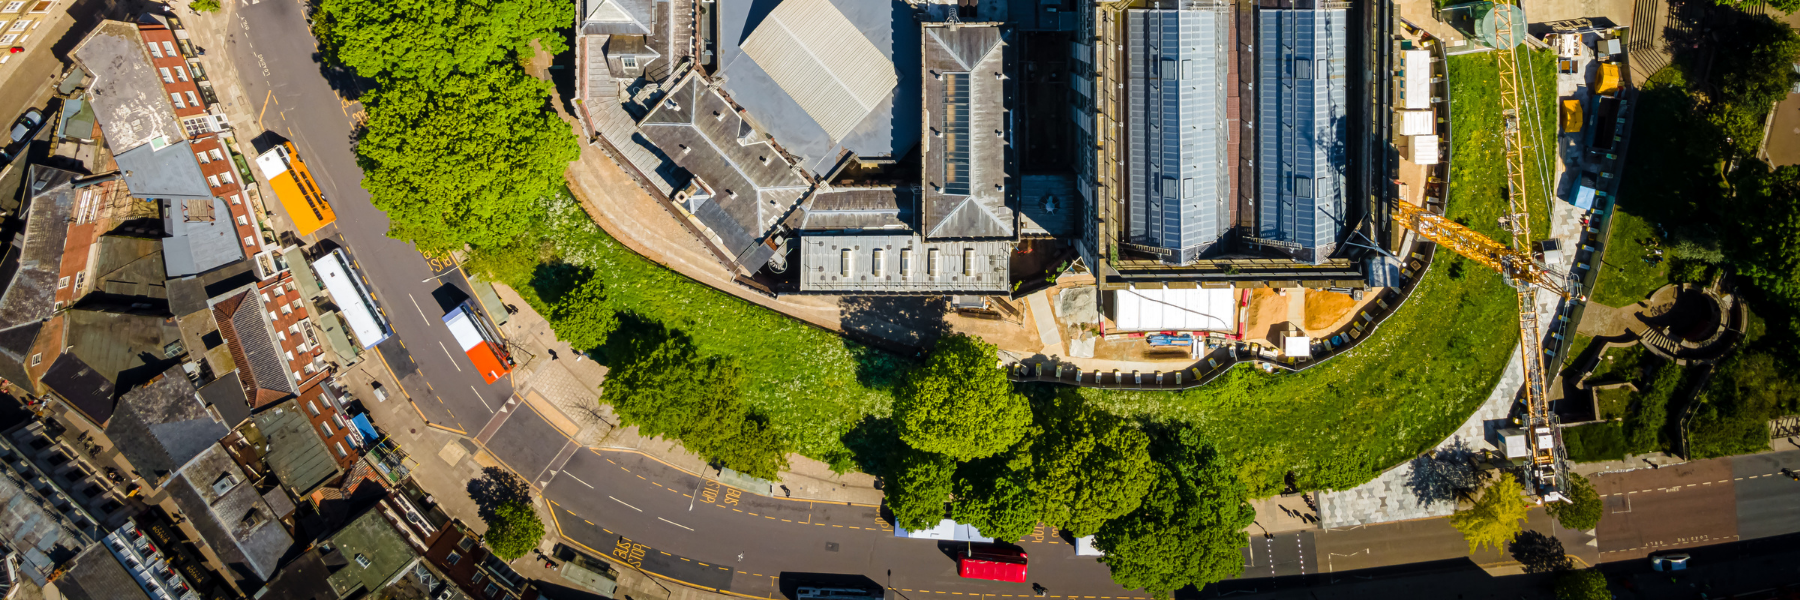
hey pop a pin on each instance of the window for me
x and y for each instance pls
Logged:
(196, 126)
(62, 283)
(956, 134)
(325, 427)
(341, 452)
(249, 241)
(287, 309)
(14, 6)
(876, 264)
(169, 48)
(453, 558)
(906, 267)
(37, 358)
(176, 98)
(181, 73)
(1187, 188)
(477, 577)
(43, 6)
(224, 483)
(226, 176)
(931, 262)
(293, 288)
(154, 51)
(968, 262)
(466, 543)
(217, 155)
(845, 262)
(192, 99)
(212, 180)
(491, 590)
(628, 61)
(1302, 68)
(201, 156)
(236, 200)
(271, 313)
(265, 297)
(312, 406)
(8, 38)
(1303, 187)
(167, 78)
(296, 304)
(243, 220)
(290, 353)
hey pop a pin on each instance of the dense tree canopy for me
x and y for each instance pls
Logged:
(465, 159)
(583, 317)
(1188, 529)
(1495, 518)
(960, 403)
(428, 40)
(994, 495)
(1585, 584)
(918, 488)
(667, 390)
(1090, 465)
(1584, 509)
(513, 529)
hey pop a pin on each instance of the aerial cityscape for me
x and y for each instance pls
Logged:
(899, 299)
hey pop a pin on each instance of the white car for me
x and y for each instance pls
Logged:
(1669, 562)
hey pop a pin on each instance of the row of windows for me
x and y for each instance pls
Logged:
(847, 262)
(169, 77)
(37, 7)
(167, 47)
(191, 99)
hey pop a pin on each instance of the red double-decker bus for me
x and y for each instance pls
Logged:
(993, 563)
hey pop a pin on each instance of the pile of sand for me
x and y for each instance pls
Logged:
(1325, 310)
(1268, 308)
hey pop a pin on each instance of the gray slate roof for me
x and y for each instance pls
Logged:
(1180, 183)
(82, 386)
(296, 454)
(1302, 106)
(127, 93)
(162, 425)
(127, 348)
(15, 351)
(97, 575)
(171, 173)
(195, 247)
(30, 294)
(752, 185)
(226, 394)
(859, 209)
(189, 295)
(130, 267)
(238, 525)
(908, 265)
(616, 17)
(964, 148)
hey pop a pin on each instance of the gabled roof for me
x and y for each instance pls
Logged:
(126, 92)
(29, 270)
(964, 156)
(82, 386)
(171, 172)
(616, 17)
(251, 337)
(15, 352)
(98, 575)
(1179, 191)
(226, 395)
(162, 425)
(823, 61)
(130, 267)
(296, 454)
(859, 209)
(226, 509)
(752, 185)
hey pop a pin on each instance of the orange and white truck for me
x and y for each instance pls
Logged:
(478, 339)
(294, 186)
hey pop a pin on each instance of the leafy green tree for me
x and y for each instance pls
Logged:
(1584, 509)
(1585, 584)
(994, 495)
(466, 159)
(919, 486)
(959, 403)
(583, 317)
(428, 40)
(513, 529)
(1495, 518)
(204, 6)
(1090, 467)
(1188, 529)
(667, 390)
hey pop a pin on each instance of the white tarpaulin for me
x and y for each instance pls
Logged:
(1418, 78)
(1425, 149)
(1417, 122)
(945, 530)
(1175, 310)
(1297, 347)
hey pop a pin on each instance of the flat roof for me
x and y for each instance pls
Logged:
(170, 172)
(199, 240)
(965, 124)
(1178, 133)
(296, 454)
(126, 92)
(1197, 309)
(903, 264)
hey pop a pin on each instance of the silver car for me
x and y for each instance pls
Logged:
(22, 129)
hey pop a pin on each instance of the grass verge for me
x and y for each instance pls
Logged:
(1629, 275)
(1595, 442)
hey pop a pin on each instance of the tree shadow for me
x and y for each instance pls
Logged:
(1539, 553)
(497, 487)
(871, 444)
(912, 321)
(1444, 474)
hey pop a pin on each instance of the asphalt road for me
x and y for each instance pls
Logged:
(275, 54)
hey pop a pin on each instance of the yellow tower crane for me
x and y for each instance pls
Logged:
(1513, 261)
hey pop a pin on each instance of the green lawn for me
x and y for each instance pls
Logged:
(1614, 403)
(1626, 277)
(812, 384)
(1477, 153)
(1418, 377)
(1595, 442)
(1620, 364)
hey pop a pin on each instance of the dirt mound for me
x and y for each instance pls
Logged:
(1267, 308)
(1324, 309)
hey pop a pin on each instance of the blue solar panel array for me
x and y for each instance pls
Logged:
(1178, 167)
(1301, 83)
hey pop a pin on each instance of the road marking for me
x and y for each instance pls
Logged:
(415, 302)
(484, 403)
(265, 106)
(578, 479)
(452, 360)
(626, 505)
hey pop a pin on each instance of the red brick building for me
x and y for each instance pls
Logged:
(272, 340)
(459, 554)
(332, 425)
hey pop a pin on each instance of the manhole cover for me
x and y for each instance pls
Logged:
(831, 547)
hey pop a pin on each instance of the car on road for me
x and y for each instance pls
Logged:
(26, 123)
(1669, 562)
(991, 562)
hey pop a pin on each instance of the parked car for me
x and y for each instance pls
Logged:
(1669, 562)
(26, 124)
